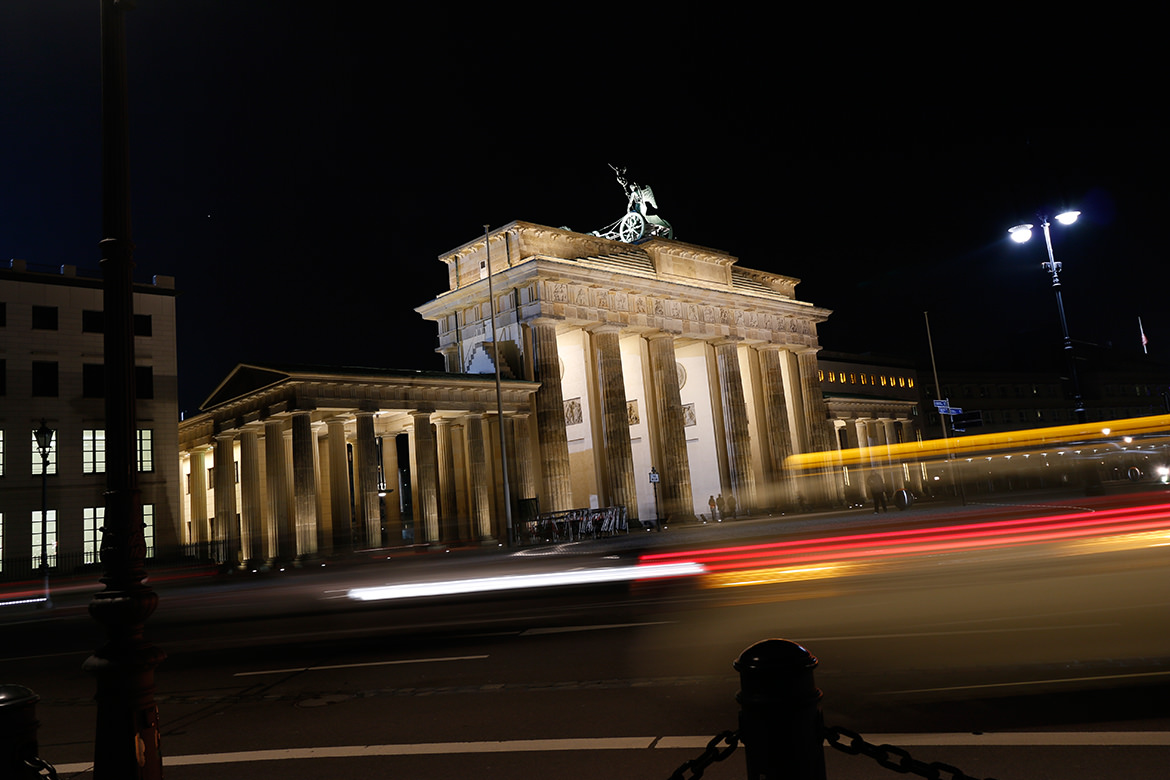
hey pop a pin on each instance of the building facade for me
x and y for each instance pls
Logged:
(287, 463)
(51, 369)
(660, 361)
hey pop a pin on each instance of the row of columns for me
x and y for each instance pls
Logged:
(675, 480)
(278, 518)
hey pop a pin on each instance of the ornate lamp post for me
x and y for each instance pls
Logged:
(44, 438)
(1020, 234)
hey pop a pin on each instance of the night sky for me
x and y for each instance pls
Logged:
(299, 166)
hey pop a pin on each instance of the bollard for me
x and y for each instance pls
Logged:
(780, 722)
(18, 732)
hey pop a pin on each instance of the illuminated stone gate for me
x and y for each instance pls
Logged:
(660, 357)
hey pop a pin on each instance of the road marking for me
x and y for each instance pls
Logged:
(354, 666)
(570, 629)
(1007, 739)
(1053, 680)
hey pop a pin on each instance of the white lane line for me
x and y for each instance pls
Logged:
(1008, 739)
(1054, 680)
(354, 666)
(570, 629)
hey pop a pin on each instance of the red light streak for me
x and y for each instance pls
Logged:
(919, 541)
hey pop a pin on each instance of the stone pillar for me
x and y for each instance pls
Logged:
(615, 421)
(200, 532)
(735, 425)
(776, 425)
(340, 502)
(426, 499)
(909, 434)
(225, 497)
(365, 468)
(522, 465)
(252, 506)
(896, 479)
(478, 480)
(816, 418)
(304, 484)
(448, 511)
(392, 535)
(283, 533)
(550, 419)
(675, 481)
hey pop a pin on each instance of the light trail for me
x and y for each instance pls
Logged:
(837, 556)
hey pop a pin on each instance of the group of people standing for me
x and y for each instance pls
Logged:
(722, 508)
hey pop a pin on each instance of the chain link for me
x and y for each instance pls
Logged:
(708, 757)
(891, 757)
(42, 767)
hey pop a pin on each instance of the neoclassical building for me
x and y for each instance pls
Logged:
(658, 360)
(647, 376)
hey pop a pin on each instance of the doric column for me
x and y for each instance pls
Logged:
(225, 497)
(365, 467)
(426, 500)
(522, 465)
(776, 426)
(675, 480)
(304, 484)
(816, 421)
(550, 418)
(896, 480)
(392, 535)
(735, 425)
(340, 504)
(909, 434)
(478, 480)
(200, 533)
(279, 490)
(252, 505)
(615, 420)
(448, 512)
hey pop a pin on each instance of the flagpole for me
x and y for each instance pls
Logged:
(1145, 350)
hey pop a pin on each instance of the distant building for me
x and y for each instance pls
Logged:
(51, 369)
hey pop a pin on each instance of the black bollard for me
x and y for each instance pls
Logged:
(18, 732)
(780, 722)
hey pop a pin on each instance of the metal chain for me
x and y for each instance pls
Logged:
(42, 767)
(891, 757)
(709, 756)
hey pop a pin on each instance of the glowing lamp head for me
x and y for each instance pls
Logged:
(1068, 217)
(1020, 233)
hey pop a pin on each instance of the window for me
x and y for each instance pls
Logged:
(142, 325)
(3, 377)
(44, 379)
(36, 456)
(91, 532)
(93, 380)
(3, 313)
(145, 449)
(93, 321)
(148, 528)
(44, 317)
(144, 382)
(49, 529)
(910, 382)
(93, 451)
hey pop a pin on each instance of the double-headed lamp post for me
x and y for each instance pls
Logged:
(1020, 234)
(44, 438)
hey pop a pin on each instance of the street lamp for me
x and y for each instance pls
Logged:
(44, 438)
(1020, 234)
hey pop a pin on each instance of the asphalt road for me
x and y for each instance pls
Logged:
(1031, 661)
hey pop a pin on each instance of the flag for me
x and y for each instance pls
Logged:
(1145, 341)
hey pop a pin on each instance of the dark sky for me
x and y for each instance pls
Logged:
(299, 166)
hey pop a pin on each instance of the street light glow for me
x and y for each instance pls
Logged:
(1068, 217)
(1020, 233)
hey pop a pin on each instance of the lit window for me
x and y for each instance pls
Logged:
(91, 532)
(883, 380)
(821, 375)
(901, 381)
(49, 528)
(852, 378)
(832, 376)
(863, 379)
(148, 528)
(93, 451)
(910, 382)
(36, 457)
(145, 449)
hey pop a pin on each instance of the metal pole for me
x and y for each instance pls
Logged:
(499, 392)
(957, 483)
(126, 740)
(1053, 268)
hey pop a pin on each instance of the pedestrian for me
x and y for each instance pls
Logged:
(731, 505)
(711, 503)
(877, 491)
(719, 507)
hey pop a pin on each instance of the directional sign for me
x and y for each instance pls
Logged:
(949, 410)
(942, 403)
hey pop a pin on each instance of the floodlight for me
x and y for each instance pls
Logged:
(1068, 217)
